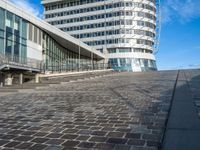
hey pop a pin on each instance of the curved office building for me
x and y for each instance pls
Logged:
(124, 30)
(29, 44)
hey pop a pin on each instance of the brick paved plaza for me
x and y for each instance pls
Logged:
(122, 111)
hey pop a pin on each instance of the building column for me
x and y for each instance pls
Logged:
(21, 78)
(8, 79)
(37, 78)
(1, 79)
(79, 55)
(92, 63)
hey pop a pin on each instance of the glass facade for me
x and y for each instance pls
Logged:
(2, 30)
(59, 58)
(129, 64)
(20, 39)
(13, 37)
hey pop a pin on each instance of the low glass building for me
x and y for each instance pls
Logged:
(28, 43)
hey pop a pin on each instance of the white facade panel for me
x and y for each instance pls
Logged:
(34, 50)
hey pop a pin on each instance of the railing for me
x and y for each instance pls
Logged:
(17, 61)
(32, 64)
(75, 67)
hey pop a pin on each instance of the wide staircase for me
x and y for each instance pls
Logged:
(55, 80)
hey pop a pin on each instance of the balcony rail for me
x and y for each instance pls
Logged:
(70, 67)
(32, 64)
(17, 61)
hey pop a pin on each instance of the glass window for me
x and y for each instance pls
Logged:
(112, 50)
(9, 42)
(1, 33)
(17, 23)
(124, 50)
(16, 45)
(23, 53)
(2, 18)
(9, 19)
(24, 29)
(122, 61)
(1, 45)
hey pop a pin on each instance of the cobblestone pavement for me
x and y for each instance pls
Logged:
(125, 111)
(193, 79)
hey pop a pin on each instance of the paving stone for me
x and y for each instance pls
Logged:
(8, 137)
(152, 137)
(104, 146)
(115, 134)
(28, 133)
(69, 148)
(39, 140)
(69, 136)
(38, 147)
(34, 128)
(98, 139)
(83, 138)
(7, 149)
(55, 141)
(23, 138)
(15, 132)
(86, 145)
(54, 135)
(71, 131)
(99, 133)
(12, 144)
(122, 147)
(82, 127)
(57, 130)
(85, 132)
(25, 145)
(124, 130)
(116, 140)
(41, 134)
(133, 135)
(67, 122)
(69, 126)
(108, 129)
(54, 147)
(95, 128)
(136, 142)
(70, 143)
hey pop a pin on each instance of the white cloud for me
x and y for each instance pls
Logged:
(28, 6)
(181, 10)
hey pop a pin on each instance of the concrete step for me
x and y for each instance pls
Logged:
(8, 90)
(50, 82)
(35, 84)
(18, 87)
(74, 78)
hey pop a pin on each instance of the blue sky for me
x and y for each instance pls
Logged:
(180, 34)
